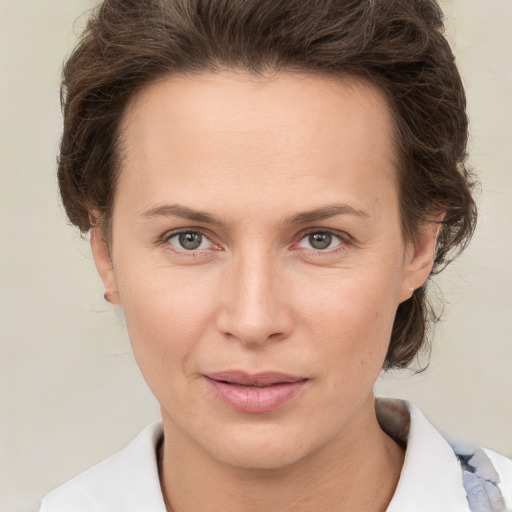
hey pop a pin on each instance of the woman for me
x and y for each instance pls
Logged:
(268, 187)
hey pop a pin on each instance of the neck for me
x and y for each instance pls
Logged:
(356, 471)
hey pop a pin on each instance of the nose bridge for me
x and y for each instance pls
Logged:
(255, 310)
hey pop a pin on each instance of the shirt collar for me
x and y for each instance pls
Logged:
(430, 480)
(431, 477)
(126, 481)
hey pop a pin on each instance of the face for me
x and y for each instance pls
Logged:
(258, 256)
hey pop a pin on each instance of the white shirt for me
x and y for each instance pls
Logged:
(430, 480)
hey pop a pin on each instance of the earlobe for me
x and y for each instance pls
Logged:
(104, 265)
(420, 259)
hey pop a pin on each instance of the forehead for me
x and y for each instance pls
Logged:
(302, 105)
(230, 132)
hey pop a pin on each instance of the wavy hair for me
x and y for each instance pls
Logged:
(396, 44)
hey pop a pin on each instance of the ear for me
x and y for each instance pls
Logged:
(419, 259)
(104, 265)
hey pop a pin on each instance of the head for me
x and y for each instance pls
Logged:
(246, 120)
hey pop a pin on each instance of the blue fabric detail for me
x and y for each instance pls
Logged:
(480, 480)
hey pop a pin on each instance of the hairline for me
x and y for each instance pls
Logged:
(268, 73)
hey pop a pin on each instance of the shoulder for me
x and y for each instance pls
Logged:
(127, 481)
(460, 478)
(487, 478)
(503, 467)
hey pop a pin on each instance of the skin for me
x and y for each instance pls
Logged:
(255, 153)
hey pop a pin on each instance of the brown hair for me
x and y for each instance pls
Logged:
(397, 44)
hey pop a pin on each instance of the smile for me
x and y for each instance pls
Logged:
(259, 393)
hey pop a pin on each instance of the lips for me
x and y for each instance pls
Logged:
(255, 393)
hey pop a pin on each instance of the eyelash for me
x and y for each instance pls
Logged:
(174, 234)
(343, 238)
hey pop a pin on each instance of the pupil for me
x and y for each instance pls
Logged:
(190, 241)
(320, 240)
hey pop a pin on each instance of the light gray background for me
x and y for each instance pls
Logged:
(71, 393)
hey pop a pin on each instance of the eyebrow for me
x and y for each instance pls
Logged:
(176, 210)
(325, 212)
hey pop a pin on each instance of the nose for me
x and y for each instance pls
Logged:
(254, 306)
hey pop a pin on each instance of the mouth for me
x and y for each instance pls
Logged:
(255, 393)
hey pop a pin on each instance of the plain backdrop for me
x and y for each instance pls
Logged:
(71, 393)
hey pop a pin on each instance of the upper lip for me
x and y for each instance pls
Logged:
(253, 379)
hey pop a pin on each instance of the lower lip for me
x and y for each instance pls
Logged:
(255, 399)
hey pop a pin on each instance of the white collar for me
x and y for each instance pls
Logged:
(431, 478)
(127, 481)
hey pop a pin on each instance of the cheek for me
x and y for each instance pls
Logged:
(342, 319)
(350, 321)
(167, 315)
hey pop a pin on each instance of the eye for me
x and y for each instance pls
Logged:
(320, 240)
(189, 241)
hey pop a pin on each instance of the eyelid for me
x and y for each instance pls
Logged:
(166, 237)
(343, 237)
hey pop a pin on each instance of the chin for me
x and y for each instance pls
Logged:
(260, 447)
